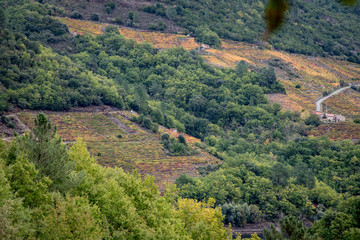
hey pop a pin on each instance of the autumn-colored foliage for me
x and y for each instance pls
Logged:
(305, 78)
(338, 131)
(136, 149)
(83, 27)
(346, 103)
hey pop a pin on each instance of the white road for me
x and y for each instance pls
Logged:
(318, 102)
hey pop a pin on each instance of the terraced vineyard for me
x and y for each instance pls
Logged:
(156, 39)
(338, 131)
(346, 103)
(135, 149)
(305, 78)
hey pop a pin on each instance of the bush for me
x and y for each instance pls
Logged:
(152, 26)
(155, 127)
(234, 214)
(177, 148)
(4, 119)
(95, 17)
(118, 20)
(157, 27)
(182, 139)
(109, 7)
(133, 119)
(119, 136)
(357, 121)
(112, 29)
(162, 26)
(165, 137)
(297, 86)
(313, 120)
(76, 15)
(148, 123)
(205, 35)
(10, 125)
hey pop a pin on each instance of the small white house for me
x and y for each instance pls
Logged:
(328, 117)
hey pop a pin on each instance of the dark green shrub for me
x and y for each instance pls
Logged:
(109, 7)
(165, 137)
(152, 26)
(118, 20)
(4, 119)
(76, 15)
(148, 123)
(161, 26)
(95, 17)
(182, 139)
(155, 127)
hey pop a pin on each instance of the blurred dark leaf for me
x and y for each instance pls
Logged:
(348, 2)
(275, 14)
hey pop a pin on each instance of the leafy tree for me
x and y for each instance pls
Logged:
(3, 18)
(26, 182)
(76, 15)
(182, 139)
(336, 225)
(133, 18)
(304, 175)
(241, 68)
(280, 174)
(95, 17)
(171, 13)
(15, 219)
(313, 119)
(205, 35)
(324, 194)
(234, 214)
(202, 221)
(73, 218)
(290, 228)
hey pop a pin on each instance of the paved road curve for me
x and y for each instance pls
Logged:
(318, 102)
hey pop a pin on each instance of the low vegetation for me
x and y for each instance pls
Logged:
(304, 78)
(137, 148)
(268, 165)
(67, 195)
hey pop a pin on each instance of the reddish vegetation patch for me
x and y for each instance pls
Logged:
(79, 27)
(338, 131)
(117, 142)
(284, 101)
(305, 78)
(346, 103)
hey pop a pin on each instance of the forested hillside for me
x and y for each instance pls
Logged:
(311, 27)
(320, 28)
(75, 198)
(270, 168)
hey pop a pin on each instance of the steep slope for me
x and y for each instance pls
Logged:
(315, 28)
(305, 78)
(117, 142)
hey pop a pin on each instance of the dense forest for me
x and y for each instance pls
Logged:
(270, 169)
